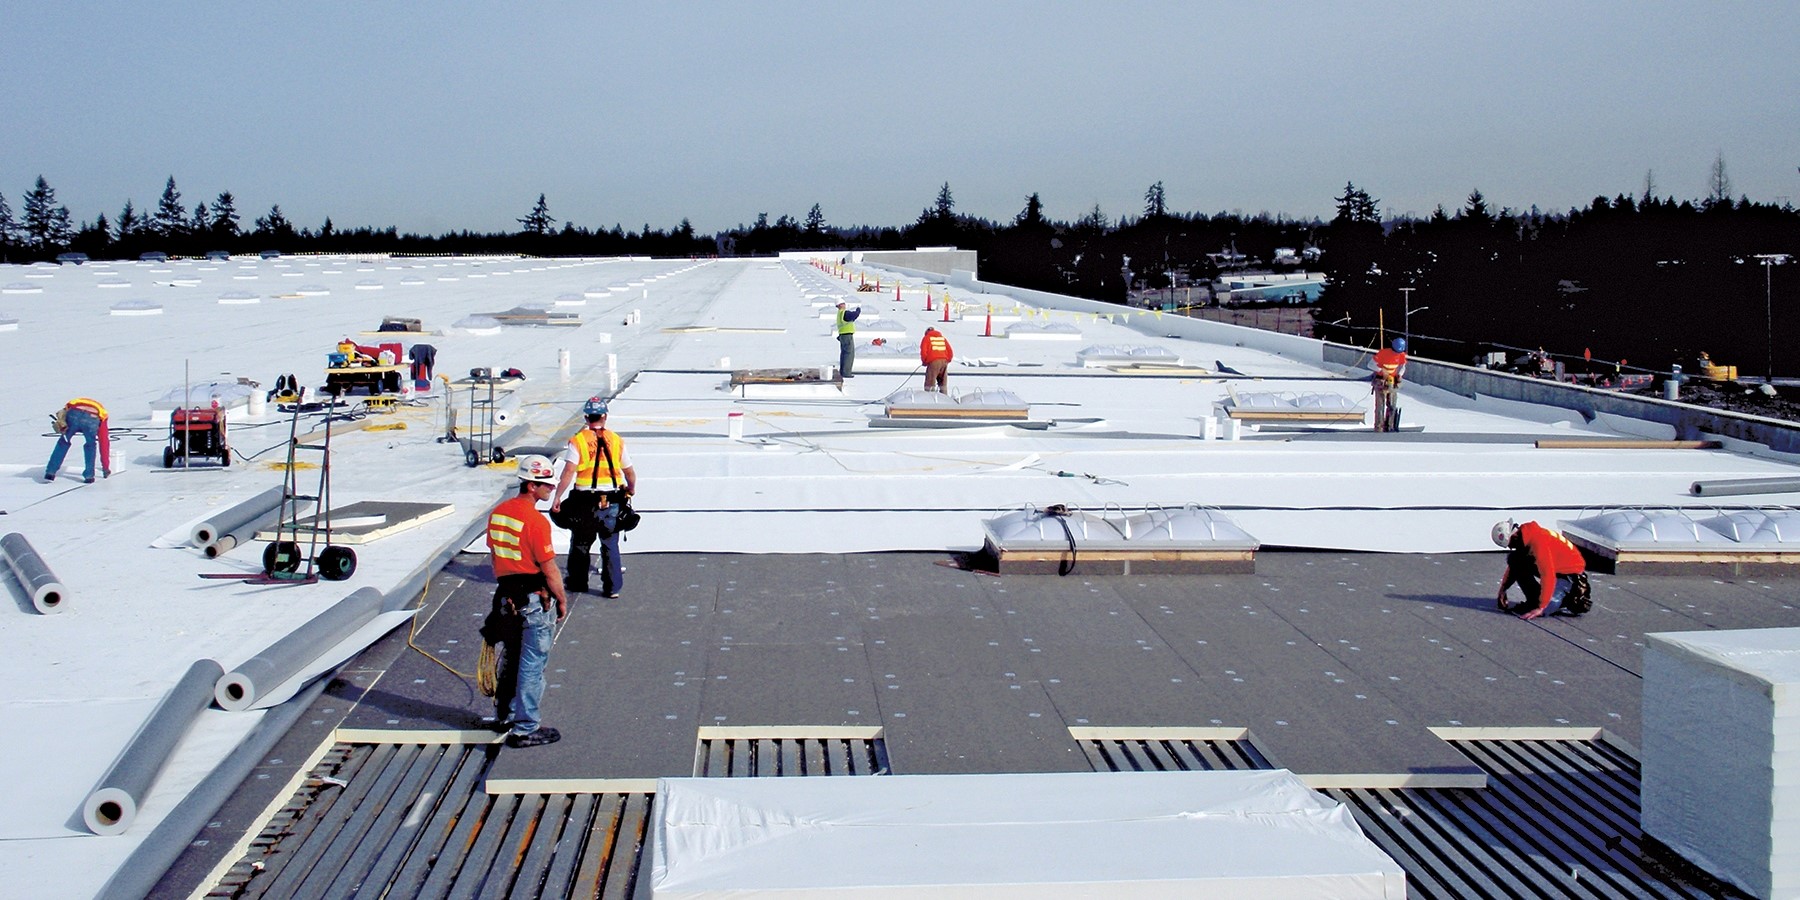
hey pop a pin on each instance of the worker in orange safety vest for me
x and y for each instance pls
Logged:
(1390, 367)
(935, 354)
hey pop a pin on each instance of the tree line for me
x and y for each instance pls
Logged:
(1646, 279)
(1625, 283)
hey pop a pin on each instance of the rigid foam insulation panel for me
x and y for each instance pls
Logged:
(1007, 837)
(113, 803)
(45, 589)
(1721, 753)
(240, 688)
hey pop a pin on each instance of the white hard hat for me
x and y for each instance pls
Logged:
(536, 468)
(1503, 532)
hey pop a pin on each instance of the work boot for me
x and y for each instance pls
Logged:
(536, 738)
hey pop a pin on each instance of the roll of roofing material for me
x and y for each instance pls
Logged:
(1745, 486)
(242, 687)
(113, 803)
(235, 518)
(246, 532)
(46, 590)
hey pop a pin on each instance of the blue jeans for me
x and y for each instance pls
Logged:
(76, 422)
(581, 544)
(846, 352)
(533, 651)
(1529, 585)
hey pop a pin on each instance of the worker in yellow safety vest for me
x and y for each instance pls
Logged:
(597, 478)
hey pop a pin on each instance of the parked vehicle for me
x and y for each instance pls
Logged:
(71, 259)
(270, 254)
(153, 256)
(218, 255)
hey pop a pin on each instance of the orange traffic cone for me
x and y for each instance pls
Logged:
(928, 299)
(988, 331)
(896, 292)
(946, 307)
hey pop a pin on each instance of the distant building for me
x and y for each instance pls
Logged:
(1292, 287)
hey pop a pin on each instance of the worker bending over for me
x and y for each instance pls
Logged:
(1390, 367)
(935, 354)
(87, 418)
(1546, 567)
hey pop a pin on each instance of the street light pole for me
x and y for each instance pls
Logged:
(1769, 262)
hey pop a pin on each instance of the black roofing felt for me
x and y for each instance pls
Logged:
(1337, 663)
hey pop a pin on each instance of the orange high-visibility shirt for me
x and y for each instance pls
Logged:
(518, 537)
(935, 347)
(1389, 362)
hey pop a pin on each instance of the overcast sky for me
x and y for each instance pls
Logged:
(446, 115)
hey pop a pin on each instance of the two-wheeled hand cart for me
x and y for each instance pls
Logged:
(299, 538)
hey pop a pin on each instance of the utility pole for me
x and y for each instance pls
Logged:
(1769, 262)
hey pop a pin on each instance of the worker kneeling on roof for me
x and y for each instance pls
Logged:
(1546, 567)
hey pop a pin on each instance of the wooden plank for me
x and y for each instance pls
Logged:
(1623, 444)
(1296, 415)
(957, 412)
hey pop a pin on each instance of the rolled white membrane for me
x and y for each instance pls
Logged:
(113, 804)
(233, 519)
(241, 688)
(46, 590)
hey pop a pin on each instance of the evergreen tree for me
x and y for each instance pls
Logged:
(170, 219)
(1155, 202)
(1032, 216)
(130, 223)
(224, 215)
(945, 207)
(9, 230)
(1095, 220)
(1718, 183)
(815, 222)
(62, 227)
(538, 221)
(275, 225)
(39, 219)
(200, 224)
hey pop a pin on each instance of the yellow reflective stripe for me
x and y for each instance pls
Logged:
(507, 522)
(503, 537)
(506, 553)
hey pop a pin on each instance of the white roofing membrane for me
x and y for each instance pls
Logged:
(811, 474)
(1124, 835)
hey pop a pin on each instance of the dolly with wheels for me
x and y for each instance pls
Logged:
(282, 556)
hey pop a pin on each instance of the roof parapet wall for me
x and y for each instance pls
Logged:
(1690, 422)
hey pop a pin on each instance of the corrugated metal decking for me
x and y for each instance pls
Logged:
(1558, 819)
(411, 820)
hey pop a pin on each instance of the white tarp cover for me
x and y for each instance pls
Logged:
(1721, 753)
(1118, 835)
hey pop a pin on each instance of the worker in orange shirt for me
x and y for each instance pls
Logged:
(1547, 568)
(1390, 367)
(528, 602)
(85, 417)
(935, 353)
